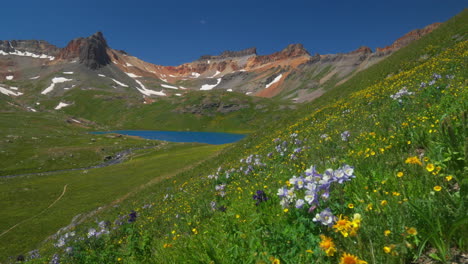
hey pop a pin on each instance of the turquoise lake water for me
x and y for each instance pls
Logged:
(214, 138)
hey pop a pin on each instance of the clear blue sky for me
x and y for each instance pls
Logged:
(172, 32)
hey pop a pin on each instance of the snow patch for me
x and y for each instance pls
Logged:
(14, 88)
(101, 75)
(195, 74)
(207, 87)
(8, 92)
(119, 83)
(132, 75)
(31, 109)
(178, 94)
(169, 86)
(9, 77)
(128, 64)
(277, 79)
(217, 72)
(148, 92)
(54, 81)
(61, 105)
(164, 80)
(35, 77)
(27, 54)
(229, 90)
(67, 72)
(183, 88)
(247, 93)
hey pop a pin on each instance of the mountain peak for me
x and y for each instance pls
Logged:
(362, 49)
(231, 54)
(295, 50)
(91, 51)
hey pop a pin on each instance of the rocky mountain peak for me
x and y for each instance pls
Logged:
(409, 37)
(362, 49)
(90, 51)
(231, 54)
(33, 46)
(295, 50)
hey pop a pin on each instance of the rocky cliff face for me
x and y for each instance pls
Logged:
(291, 51)
(32, 46)
(231, 54)
(90, 51)
(409, 37)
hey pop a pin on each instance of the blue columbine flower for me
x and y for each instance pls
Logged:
(132, 216)
(325, 217)
(260, 197)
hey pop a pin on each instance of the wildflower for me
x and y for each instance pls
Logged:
(275, 261)
(300, 203)
(413, 160)
(383, 202)
(345, 135)
(325, 217)
(369, 207)
(343, 225)
(387, 232)
(412, 231)
(309, 251)
(351, 206)
(260, 196)
(195, 231)
(400, 174)
(166, 245)
(327, 245)
(286, 210)
(389, 249)
(351, 259)
(132, 216)
(430, 167)
(448, 178)
(437, 188)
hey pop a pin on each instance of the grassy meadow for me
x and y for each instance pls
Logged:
(374, 171)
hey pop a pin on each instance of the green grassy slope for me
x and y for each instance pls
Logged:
(38, 142)
(25, 200)
(407, 124)
(195, 111)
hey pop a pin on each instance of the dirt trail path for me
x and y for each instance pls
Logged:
(43, 211)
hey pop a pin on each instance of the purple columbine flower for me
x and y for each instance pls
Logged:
(300, 203)
(132, 217)
(345, 135)
(260, 197)
(325, 217)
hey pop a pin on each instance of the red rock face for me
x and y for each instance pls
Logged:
(409, 37)
(363, 49)
(72, 50)
(291, 51)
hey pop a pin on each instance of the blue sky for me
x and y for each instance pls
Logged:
(172, 32)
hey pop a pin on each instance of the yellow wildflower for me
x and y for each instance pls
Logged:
(437, 188)
(430, 167)
(412, 231)
(327, 245)
(448, 178)
(413, 160)
(387, 232)
(351, 259)
(400, 174)
(343, 225)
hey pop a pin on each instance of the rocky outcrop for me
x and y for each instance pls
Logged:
(32, 46)
(291, 51)
(90, 51)
(408, 38)
(362, 49)
(231, 54)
